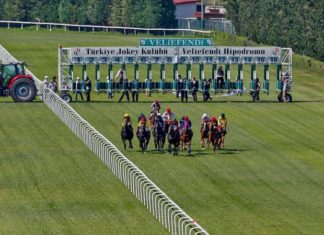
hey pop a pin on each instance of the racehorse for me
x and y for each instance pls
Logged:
(186, 135)
(159, 135)
(204, 134)
(216, 134)
(143, 136)
(127, 134)
(174, 139)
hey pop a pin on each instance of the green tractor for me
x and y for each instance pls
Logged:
(16, 83)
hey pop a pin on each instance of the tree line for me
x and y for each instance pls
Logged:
(129, 13)
(287, 23)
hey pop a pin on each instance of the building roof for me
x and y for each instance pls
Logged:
(178, 2)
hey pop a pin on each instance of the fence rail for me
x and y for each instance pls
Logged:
(125, 30)
(157, 202)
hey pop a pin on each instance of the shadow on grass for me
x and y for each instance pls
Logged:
(162, 153)
(231, 151)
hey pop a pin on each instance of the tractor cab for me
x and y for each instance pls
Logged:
(9, 71)
(16, 83)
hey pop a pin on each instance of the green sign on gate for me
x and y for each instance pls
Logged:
(176, 42)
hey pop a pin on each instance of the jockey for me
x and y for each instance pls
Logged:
(140, 117)
(185, 122)
(168, 116)
(205, 119)
(159, 120)
(155, 107)
(222, 121)
(126, 120)
(175, 124)
(213, 122)
(142, 123)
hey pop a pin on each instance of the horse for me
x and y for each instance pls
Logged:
(204, 134)
(215, 137)
(127, 134)
(173, 139)
(186, 135)
(159, 135)
(143, 136)
(166, 131)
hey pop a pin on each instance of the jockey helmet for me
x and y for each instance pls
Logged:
(204, 115)
(213, 119)
(126, 115)
(223, 115)
(168, 110)
(156, 101)
(185, 118)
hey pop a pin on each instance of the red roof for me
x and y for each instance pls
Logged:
(184, 1)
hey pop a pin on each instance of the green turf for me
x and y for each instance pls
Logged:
(50, 183)
(270, 177)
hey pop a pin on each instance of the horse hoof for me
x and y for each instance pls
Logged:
(203, 148)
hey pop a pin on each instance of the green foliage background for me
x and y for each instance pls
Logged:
(136, 13)
(290, 23)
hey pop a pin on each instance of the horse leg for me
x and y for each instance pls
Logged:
(124, 142)
(130, 143)
(202, 142)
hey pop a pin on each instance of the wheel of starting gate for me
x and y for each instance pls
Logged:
(66, 97)
(288, 98)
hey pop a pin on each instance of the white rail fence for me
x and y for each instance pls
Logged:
(157, 202)
(124, 30)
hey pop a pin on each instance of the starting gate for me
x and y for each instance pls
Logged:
(180, 51)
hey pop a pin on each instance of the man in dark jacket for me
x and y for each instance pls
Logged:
(88, 88)
(124, 89)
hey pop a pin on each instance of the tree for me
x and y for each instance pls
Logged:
(97, 11)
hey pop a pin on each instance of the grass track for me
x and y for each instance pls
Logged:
(266, 180)
(50, 183)
(270, 178)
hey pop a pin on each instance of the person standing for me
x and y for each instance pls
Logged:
(88, 88)
(256, 92)
(195, 87)
(135, 92)
(184, 91)
(78, 89)
(120, 74)
(220, 78)
(46, 82)
(179, 85)
(124, 90)
(53, 84)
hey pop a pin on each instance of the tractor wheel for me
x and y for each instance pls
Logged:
(66, 97)
(23, 90)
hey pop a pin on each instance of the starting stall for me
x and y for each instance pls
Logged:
(177, 52)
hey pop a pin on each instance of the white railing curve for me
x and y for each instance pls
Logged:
(166, 211)
(135, 30)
